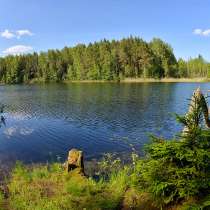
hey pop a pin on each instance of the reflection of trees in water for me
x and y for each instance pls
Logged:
(113, 106)
(2, 118)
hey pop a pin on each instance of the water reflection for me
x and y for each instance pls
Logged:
(45, 121)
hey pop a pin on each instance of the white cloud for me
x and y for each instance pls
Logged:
(7, 34)
(18, 49)
(15, 34)
(24, 32)
(197, 31)
(206, 32)
(201, 32)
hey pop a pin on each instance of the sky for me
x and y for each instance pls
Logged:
(39, 25)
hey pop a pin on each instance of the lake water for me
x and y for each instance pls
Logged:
(44, 121)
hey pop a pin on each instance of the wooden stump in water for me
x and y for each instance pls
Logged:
(75, 161)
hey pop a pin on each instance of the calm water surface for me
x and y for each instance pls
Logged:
(44, 121)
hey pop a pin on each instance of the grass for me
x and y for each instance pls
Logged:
(51, 188)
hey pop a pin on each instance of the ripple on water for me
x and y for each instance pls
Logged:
(45, 121)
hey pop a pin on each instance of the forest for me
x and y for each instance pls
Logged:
(114, 60)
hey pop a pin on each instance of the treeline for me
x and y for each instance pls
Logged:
(105, 60)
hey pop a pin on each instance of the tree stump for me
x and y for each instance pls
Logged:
(75, 161)
(198, 106)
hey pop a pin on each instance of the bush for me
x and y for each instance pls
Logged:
(178, 169)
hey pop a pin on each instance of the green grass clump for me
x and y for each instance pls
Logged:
(174, 170)
(51, 188)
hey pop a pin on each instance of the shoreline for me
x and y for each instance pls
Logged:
(125, 80)
(143, 80)
(164, 80)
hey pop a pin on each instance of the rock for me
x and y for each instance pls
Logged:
(75, 161)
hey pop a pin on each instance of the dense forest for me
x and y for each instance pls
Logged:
(105, 60)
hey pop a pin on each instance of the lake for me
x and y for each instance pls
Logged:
(44, 121)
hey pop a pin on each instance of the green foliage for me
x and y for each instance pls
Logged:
(1, 201)
(197, 67)
(49, 187)
(109, 165)
(104, 60)
(176, 170)
(165, 57)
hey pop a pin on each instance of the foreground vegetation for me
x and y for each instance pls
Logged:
(105, 60)
(51, 188)
(173, 174)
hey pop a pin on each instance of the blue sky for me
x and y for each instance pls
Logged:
(38, 25)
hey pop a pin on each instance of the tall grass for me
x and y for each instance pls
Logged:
(51, 188)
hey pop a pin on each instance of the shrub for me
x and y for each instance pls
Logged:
(177, 169)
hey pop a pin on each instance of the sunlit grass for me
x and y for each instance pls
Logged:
(50, 187)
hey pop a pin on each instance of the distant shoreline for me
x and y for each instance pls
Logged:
(125, 80)
(143, 80)
(139, 80)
